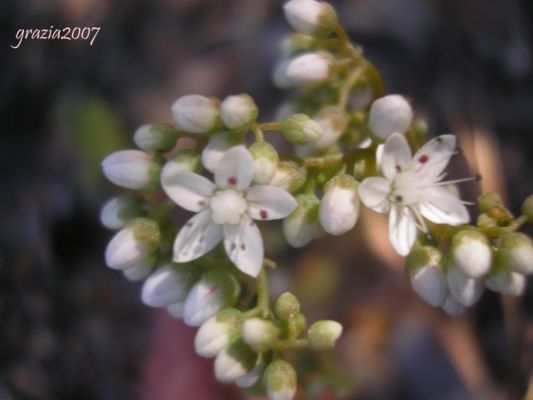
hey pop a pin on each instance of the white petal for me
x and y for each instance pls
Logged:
(214, 151)
(339, 209)
(176, 309)
(465, 290)
(167, 285)
(244, 246)
(373, 193)
(508, 282)
(429, 283)
(124, 250)
(402, 229)
(442, 207)
(189, 190)
(139, 271)
(197, 237)
(396, 155)
(433, 157)
(453, 307)
(269, 202)
(236, 169)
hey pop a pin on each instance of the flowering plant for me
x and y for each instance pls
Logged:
(354, 146)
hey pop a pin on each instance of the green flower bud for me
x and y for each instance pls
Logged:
(516, 252)
(156, 137)
(323, 334)
(300, 129)
(492, 204)
(302, 226)
(238, 111)
(234, 362)
(289, 175)
(296, 42)
(484, 221)
(265, 161)
(527, 208)
(471, 253)
(218, 332)
(280, 380)
(287, 306)
(259, 334)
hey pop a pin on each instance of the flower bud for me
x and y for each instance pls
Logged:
(339, 207)
(218, 289)
(279, 74)
(333, 122)
(484, 221)
(310, 69)
(218, 332)
(184, 161)
(492, 204)
(119, 210)
(280, 380)
(427, 278)
(311, 17)
(295, 43)
(453, 307)
(133, 244)
(516, 252)
(527, 208)
(168, 284)
(139, 271)
(507, 282)
(300, 129)
(238, 111)
(471, 253)
(289, 175)
(132, 169)
(301, 226)
(217, 146)
(249, 379)
(265, 161)
(176, 309)
(156, 137)
(287, 306)
(234, 362)
(390, 114)
(323, 334)
(196, 114)
(259, 334)
(465, 289)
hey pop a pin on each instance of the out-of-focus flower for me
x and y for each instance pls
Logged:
(132, 169)
(280, 380)
(324, 334)
(156, 137)
(119, 210)
(426, 275)
(310, 16)
(310, 69)
(300, 129)
(301, 226)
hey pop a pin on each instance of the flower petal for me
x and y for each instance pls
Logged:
(244, 246)
(189, 190)
(373, 193)
(402, 229)
(442, 207)
(269, 202)
(197, 237)
(434, 156)
(396, 155)
(214, 151)
(236, 169)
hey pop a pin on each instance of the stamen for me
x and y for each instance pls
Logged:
(475, 178)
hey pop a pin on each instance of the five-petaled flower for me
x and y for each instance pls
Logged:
(226, 210)
(412, 189)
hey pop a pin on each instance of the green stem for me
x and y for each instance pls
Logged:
(347, 87)
(270, 126)
(291, 344)
(258, 133)
(262, 307)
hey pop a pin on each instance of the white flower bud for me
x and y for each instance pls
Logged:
(471, 253)
(218, 289)
(280, 380)
(507, 282)
(390, 114)
(218, 332)
(465, 289)
(339, 207)
(184, 161)
(300, 129)
(295, 43)
(133, 244)
(196, 114)
(324, 334)
(168, 284)
(119, 210)
(279, 74)
(139, 271)
(453, 307)
(176, 309)
(217, 146)
(289, 176)
(427, 278)
(156, 137)
(265, 161)
(301, 226)
(310, 69)
(516, 252)
(249, 379)
(238, 111)
(132, 169)
(333, 122)
(259, 334)
(234, 362)
(310, 16)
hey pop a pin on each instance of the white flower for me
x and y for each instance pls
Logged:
(390, 114)
(427, 278)
(309, 69)
(195, 113)
(310, 16)
(132, 169)
(471, 253)
(412, 188)
(226, 210)
(339, 207)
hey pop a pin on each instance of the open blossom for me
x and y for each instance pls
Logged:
(412, 189)
(226, 210)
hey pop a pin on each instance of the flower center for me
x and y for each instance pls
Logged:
(227, 207)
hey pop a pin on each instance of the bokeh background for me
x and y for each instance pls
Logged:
(72, 329)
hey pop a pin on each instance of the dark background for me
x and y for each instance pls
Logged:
(73, 329)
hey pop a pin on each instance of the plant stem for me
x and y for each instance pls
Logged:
(258, 133)
(270, 126)
(262, 307)
(347, 87)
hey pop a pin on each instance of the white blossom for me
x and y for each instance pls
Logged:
(132, 169)
(339, 207)
(412, 189)
(390, 114)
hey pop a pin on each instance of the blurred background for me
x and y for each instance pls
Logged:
(73, 329)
